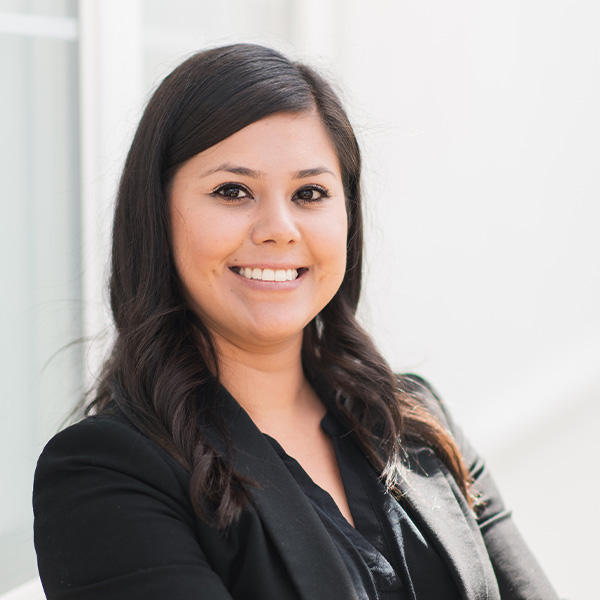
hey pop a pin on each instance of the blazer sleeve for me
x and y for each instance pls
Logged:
(113, 519)
(518, 573)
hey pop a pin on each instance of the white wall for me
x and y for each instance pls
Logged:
(481, 130)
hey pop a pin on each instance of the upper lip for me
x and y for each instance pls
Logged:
(265, 266)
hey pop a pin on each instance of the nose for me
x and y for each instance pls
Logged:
(275, 222)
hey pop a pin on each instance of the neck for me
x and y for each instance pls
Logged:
(269, 383)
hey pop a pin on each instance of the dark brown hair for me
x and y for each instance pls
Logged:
(163, 354)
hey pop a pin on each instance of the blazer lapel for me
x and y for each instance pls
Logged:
(313, 563)
(436, 503)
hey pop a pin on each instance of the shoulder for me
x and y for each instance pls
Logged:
(101, 450)
(420, 388)
(111, 436)
(113, 517)
(92, 432)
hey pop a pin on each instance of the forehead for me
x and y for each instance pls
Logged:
(278, 143)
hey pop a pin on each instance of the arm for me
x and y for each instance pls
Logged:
(517, 571)
(113, 519)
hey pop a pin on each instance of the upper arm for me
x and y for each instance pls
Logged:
(112, 520)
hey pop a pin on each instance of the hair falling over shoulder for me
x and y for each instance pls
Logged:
(163, 354)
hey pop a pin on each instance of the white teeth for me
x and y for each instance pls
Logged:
(267, 274)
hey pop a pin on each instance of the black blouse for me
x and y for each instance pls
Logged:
(385, 553)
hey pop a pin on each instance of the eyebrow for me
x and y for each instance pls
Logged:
(246, 172)
(311, 172)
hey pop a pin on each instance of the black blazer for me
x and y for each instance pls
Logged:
(113, 521)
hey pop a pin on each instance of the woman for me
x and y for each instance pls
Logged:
(246, 439)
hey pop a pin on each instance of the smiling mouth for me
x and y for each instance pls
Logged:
(269, 274)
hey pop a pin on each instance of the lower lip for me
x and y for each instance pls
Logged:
(281, 286)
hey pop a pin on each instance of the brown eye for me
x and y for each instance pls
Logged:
(313, 193)
(306, 194)
(232, 191)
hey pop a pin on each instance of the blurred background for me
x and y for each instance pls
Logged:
(481, 134)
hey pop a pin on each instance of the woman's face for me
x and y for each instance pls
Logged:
(259, 230)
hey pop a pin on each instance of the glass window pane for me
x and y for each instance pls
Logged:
(40, 249)
(47, 8)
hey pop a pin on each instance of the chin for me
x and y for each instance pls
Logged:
(273, 337)
(271, 332)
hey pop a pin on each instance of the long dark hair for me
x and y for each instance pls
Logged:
(163, 354)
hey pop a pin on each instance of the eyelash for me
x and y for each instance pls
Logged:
(324, 193)
(218, 192)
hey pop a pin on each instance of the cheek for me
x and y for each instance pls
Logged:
(180, 241)
(338, 228)
(201, 241)
(331, 239)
